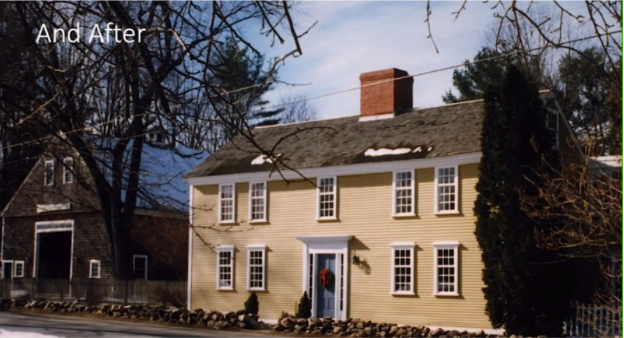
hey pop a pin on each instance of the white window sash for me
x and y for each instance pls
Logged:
(134, 265)
(223, 249)
(555, 129)
(261, 249)
(48, 176)
(221, 200)
(97, 263)
(68, 166)
(264, 200)
(15, 265)
(318, 198)
(437, 190)
(449, 245)
(402, 246)
(395, 190)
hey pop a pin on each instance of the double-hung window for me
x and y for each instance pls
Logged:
(326, 208)
(227, 203)
(139, 266)
(552, 126)
(18, 270)
(256, 267)
(68, 167)
(48, 175)
(402, 268)
(445, 256)
(257, 202)
(403, 201)
(94, 268)
(225, 267)
(446, 195)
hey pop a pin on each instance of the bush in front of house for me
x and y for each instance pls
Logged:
(304, 309)
(252, 305)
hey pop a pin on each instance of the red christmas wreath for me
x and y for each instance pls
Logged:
(326, 278)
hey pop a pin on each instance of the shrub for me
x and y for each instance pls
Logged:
(252, 305)
(304, 309)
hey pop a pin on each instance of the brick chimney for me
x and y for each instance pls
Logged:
(387, 97)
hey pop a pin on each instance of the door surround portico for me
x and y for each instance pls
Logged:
(335, 244)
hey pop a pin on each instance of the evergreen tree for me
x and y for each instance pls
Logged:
(252, 305)
(238, 68)
(304, 308)
(473, 79)
(525, 286)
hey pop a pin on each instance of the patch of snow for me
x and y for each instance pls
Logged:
(417, 150)
(20, 334)
(262, 159)
(385, 151)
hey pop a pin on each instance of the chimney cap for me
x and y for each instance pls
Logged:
(384, 74)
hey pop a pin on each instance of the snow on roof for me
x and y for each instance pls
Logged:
(160, 179)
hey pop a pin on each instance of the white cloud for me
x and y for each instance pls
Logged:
(356, 37)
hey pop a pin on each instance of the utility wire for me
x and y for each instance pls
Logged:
(349, 60)
(359, 87)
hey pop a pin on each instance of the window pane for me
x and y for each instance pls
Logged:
(402, 270)
(446, 270)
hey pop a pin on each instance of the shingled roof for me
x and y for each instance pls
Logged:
(419, 133)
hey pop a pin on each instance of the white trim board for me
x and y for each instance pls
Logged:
(190, 251)
(53, 207)
(315, 245)
(343, 170)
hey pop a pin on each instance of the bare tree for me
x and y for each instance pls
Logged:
(297, 109)
(104, 96)
(583, 202)
(522, 23)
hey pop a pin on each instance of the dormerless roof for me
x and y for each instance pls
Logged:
(420, 133)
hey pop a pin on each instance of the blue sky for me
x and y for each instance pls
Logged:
(353, 37)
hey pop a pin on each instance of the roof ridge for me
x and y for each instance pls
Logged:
(358, 115)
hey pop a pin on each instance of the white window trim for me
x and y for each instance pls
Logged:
(99, 268)
(264, 197)
(318, 199)
(436, 191)
(394, 197)
(45, 173)
(233, 220)
(68, 166)
(134, 262)
(224, 248)
(402, 246)
(556, 114)
(262, 248)
(15, 264)
(445, 245)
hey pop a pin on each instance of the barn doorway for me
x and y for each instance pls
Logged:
(54, 249)
(54, 255)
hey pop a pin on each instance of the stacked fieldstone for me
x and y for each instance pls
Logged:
(360, 328)
(212, 319)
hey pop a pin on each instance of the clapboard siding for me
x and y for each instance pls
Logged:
(364, 211)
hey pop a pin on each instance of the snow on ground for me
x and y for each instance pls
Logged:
(18, 334)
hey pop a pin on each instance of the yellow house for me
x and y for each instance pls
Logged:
(371, 215)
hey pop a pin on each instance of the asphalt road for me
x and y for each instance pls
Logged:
(66, 326)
